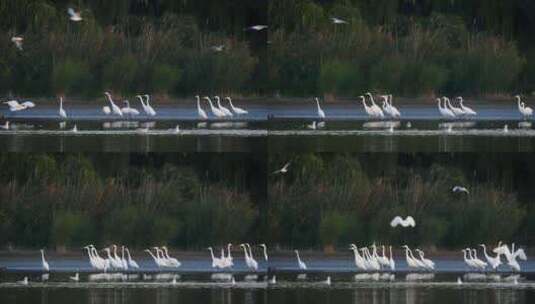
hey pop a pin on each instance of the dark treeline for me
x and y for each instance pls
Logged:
(183, 200)
(130, 46)
(330, 200)
(407, 47)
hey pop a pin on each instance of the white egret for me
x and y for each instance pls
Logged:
(221, 107)
(369, 110)
(411, 262)
(455, 110)
(200, 112)
(376, 109)
(467, 110)
(24, 281)
(430, 265)
(129, 110)
(407, 222)
(150, 110)
(5, 126)
(44, 263)
(254, 263)
(236, 110)
(74, 15)
(282, 170)
(444, 111)
(215, 111)
(482, 264)
(131, 262)
(301, 264)
(460, 189)
(17, 40)
(218, 48)
(391, 261)
(172, 261)
(321, 114)
(524, 111)
(114, 108)
(359, 260)
(257, 27)
(494, 262)
(61, 111)
(312, 126)
(106, 110)
(393, 110)
(216, 262)
(155, 258)
(338, 20)
(265, 251)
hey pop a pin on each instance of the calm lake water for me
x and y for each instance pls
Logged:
(195, 282)
(346, 128)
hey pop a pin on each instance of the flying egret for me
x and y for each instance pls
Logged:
(407, 222)
(283, 170)
(17, 40)
(338, 20)
(74, 15)
(257, 27)
(460, 189)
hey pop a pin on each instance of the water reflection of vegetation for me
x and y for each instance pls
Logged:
(334, 199)
(185, 201)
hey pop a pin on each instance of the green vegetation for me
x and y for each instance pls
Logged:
(405, 47)
(127, 47)
(335, 199)
(187, 201)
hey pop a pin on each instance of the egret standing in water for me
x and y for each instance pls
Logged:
(236, 110)
(114, 108)
(321, 114)
(44, 263)
(62, 112)
(301, 264)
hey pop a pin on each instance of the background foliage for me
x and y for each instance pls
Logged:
(336, 199)
(187, 201)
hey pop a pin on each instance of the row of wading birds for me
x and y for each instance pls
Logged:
(367, 259)
(387, 109)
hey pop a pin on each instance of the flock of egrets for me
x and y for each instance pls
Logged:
(372, 262)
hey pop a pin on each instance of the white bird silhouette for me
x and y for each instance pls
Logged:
(460, 189)
(17, 40)
(338, 20)
(73, 15)
(257, 27)
(282, 170)
(407, 222)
